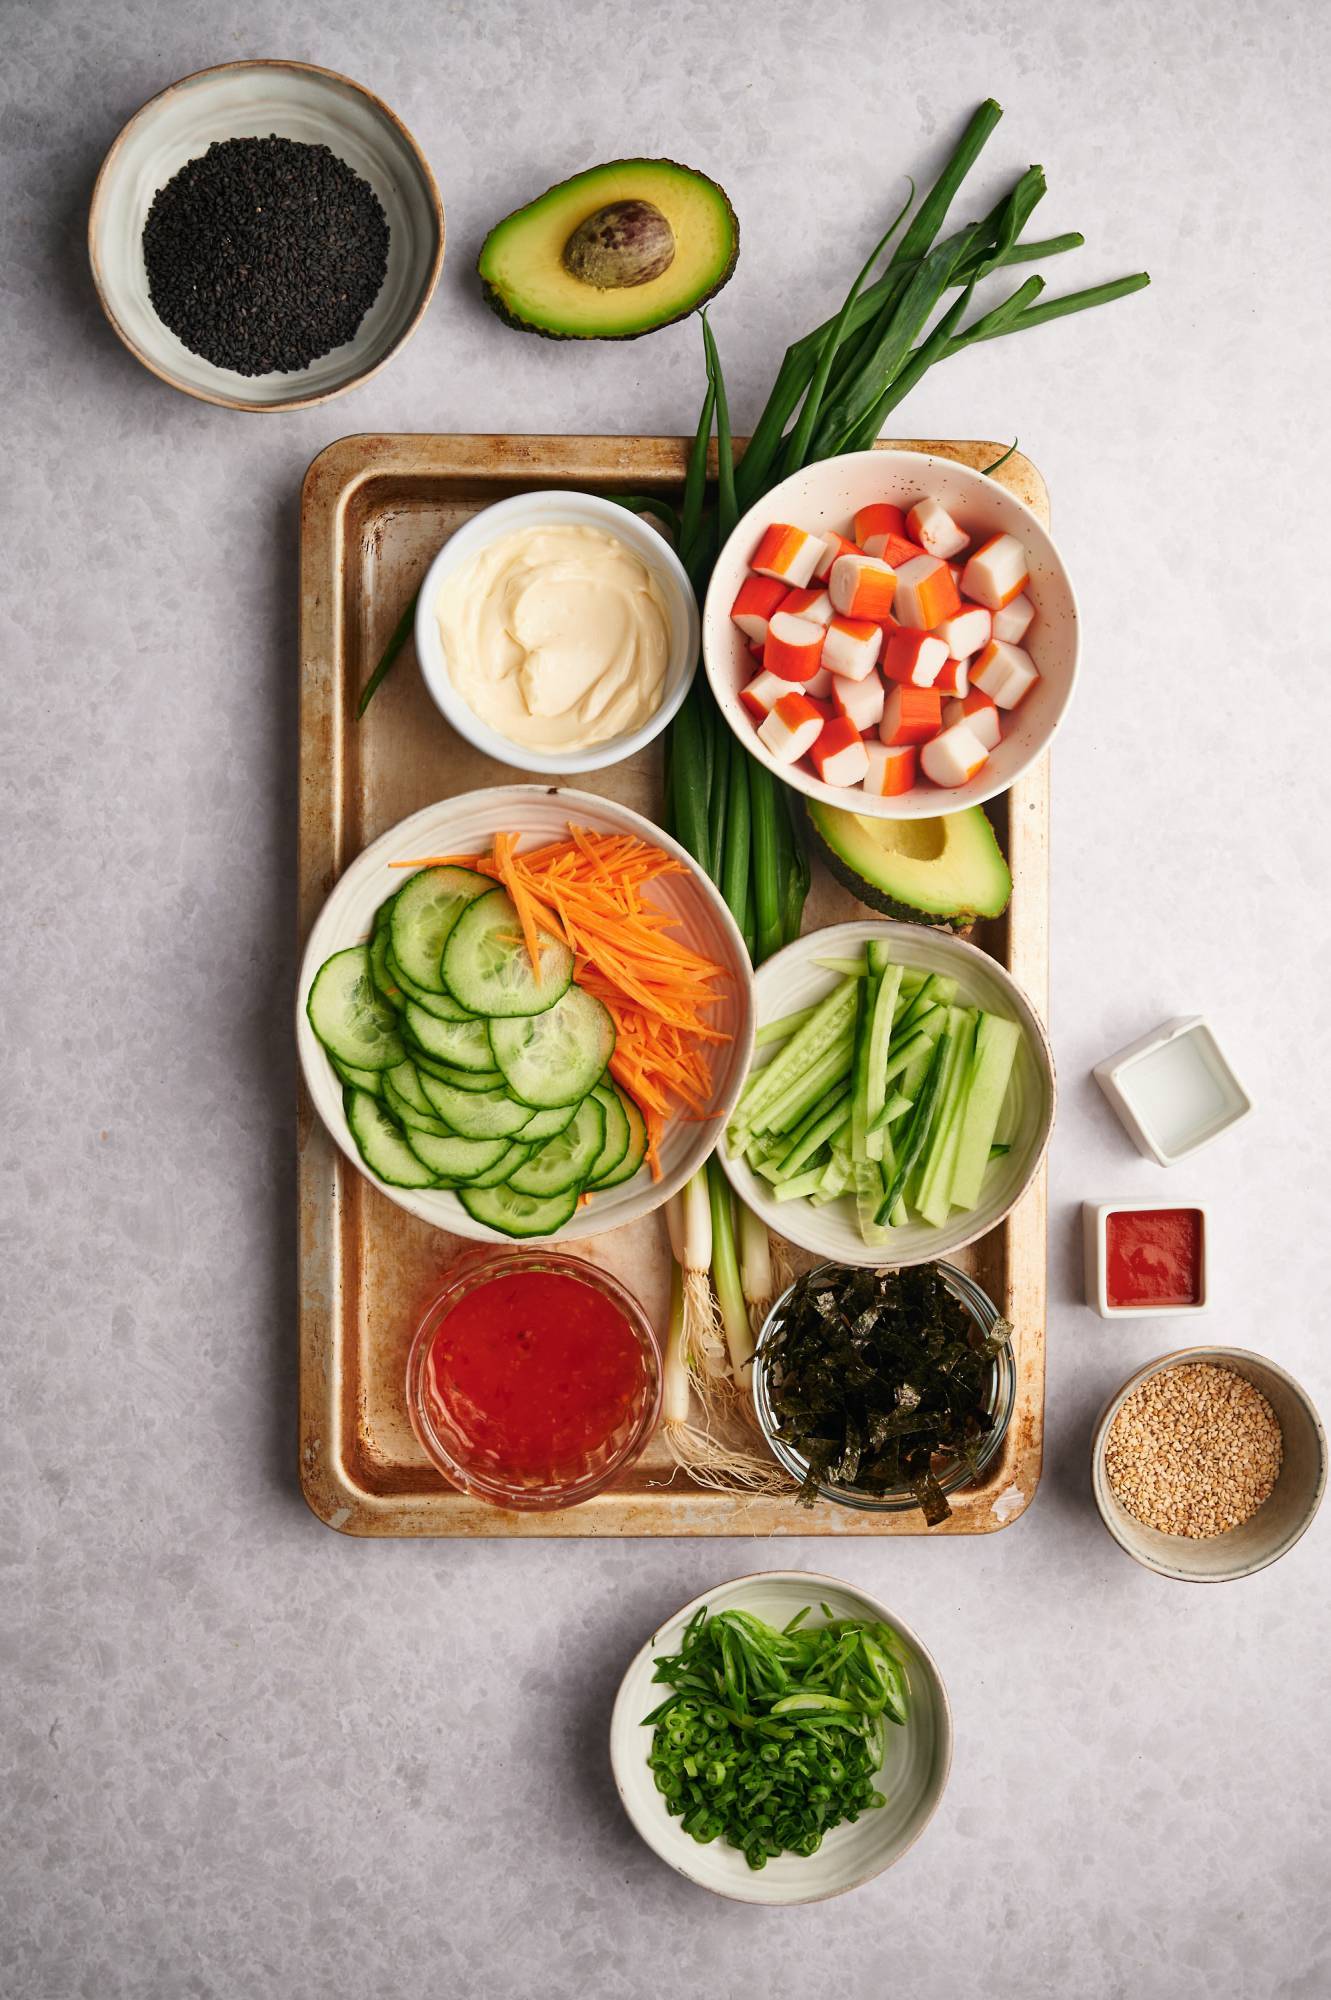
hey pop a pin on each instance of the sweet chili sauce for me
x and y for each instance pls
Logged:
(537, 1370)
(1153, 1256)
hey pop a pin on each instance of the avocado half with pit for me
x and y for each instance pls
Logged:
(945, 871)
(615, 252)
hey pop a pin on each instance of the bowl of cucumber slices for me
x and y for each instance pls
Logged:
(465, 1053)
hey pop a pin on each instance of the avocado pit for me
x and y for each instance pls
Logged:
(625, 243)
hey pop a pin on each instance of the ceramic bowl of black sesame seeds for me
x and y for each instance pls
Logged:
(265, 235)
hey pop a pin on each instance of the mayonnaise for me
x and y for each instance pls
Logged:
(556, 637)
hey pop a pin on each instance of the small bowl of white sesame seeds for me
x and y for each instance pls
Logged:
(1208, 1464)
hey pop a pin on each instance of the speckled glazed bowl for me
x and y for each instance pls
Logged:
(827, 496)
(243, 100)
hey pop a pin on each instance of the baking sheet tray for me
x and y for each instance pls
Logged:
(375, 509)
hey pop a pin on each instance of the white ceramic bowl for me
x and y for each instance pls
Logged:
(1282, 1517)
(827, 496)
(243, 100)
(916, 1762)
(792, 979)
(544, 510)
(537, 814)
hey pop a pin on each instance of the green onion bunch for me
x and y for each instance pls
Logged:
(771, 1738)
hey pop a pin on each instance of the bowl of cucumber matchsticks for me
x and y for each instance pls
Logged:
(901, 1098)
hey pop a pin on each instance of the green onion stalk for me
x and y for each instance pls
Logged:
(835, 389)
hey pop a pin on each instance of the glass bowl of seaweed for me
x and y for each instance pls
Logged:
(885, 1389)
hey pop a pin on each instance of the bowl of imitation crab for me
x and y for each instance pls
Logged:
(959, 664)
(502, 1096)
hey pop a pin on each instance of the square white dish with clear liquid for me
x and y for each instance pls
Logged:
(1174, 1091)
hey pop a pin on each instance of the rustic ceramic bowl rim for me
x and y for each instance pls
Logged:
(1221, 1357)
(660, 1839)
(100, 194)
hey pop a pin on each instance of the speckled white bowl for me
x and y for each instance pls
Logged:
(792, 979)
(243, 100)
(917, 1758)
(537, 814)
(827, 496)
(546, 509)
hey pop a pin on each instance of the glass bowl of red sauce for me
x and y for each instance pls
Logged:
(534, 1379)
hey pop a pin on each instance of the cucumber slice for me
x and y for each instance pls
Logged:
(544, 1124)
(501, 1169)
(456, 1159)
(382, 1147)
(637, 1146)
(566, 1160)
(380, 972)
(616, 1132)
(425, 911)
(350, 1017)
(487, 968)
(359, 1079)
(409, 1119)
(461, 1044)
(514, 1214)
(406, 1084)
(460, 1079)
(442, 1005)
(476, 1114)
(555, 1057)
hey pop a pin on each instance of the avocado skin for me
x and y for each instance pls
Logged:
(877, 897)
(495, 300)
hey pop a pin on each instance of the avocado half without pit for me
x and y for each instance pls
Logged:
(612, 253)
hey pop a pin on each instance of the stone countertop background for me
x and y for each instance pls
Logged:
(242, 1756)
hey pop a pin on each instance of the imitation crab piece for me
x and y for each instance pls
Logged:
(852, 646)
(953, 677)
(821, 686)
(996, 573)
(793, 727)
(979, 713)
(953, 756)
(1005, 673)
(763, 693)
(1013, 620)
(910, 715)
(833, 546)
(930, 524)
(759, 597)
(794, 647)
(876, 523)
(891, 769)
(966, 631)
(925, 594)
(839, 756)
(862, 586)
(809, 603)
(861, 702)
(787, 553)
(915, 659)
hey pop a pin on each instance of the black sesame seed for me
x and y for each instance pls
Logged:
(263, 254)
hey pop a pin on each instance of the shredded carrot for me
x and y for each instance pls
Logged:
(589, 890)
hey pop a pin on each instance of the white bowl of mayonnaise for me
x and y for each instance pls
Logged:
(557, 632)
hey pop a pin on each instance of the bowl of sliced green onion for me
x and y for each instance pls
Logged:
(781, 1739)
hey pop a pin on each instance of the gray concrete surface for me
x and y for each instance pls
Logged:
(240, 1756)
